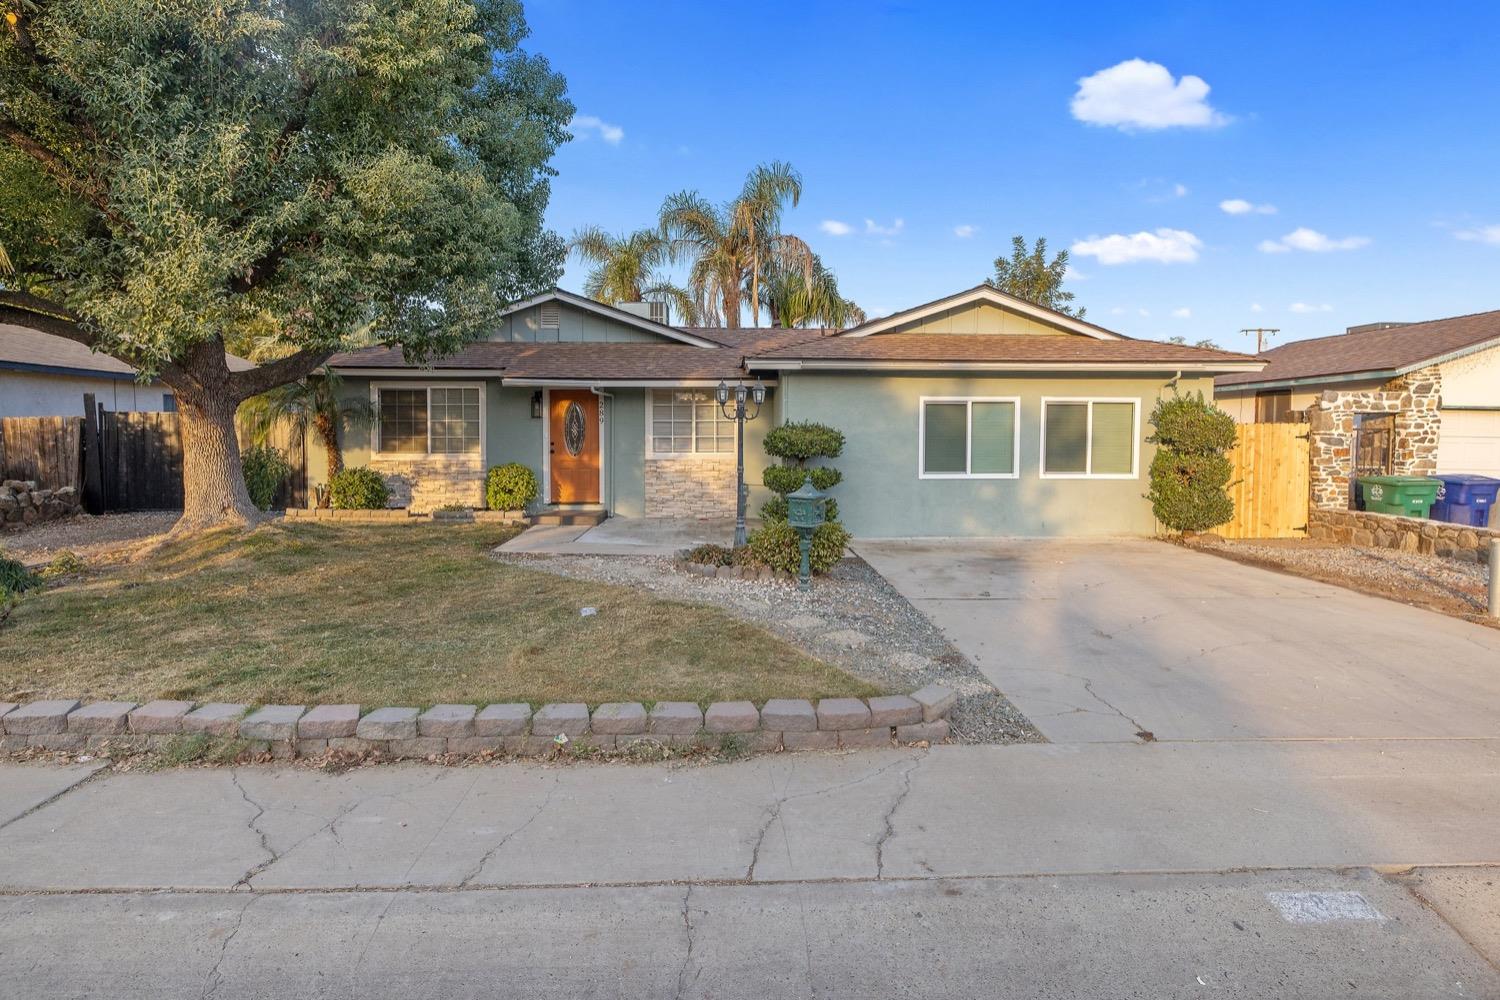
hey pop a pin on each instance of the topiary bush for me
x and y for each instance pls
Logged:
(359, 488)
(796, 444)
(266, 468)
(512, 486)
(784, 479)
(774, 544)
(799, 441)
(1191, 470)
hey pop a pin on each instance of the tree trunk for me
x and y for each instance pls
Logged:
(755, 291)
(213, 480)
(330, 436)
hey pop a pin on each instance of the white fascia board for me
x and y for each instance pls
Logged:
(1007, 366)
(420, 372)
(607, 383)
(982, 293)
(610, 312)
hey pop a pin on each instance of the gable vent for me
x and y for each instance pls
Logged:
(551, 316)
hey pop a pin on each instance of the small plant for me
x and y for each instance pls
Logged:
(359, 488)
(512, 486)
(15, 578)
(733, 746)
(65, 563)
(196, 748)
(266, 468)
(710, 555)
(1191, 470)
(776, 544)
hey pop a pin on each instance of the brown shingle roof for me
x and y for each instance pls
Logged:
(643, 362)
(956, 348)
(22, 346)
(1375, 351)
(753, 341)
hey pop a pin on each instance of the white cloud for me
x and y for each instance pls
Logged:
(1118, 311)
(1481, 234)
(1304, 307)
(1239, 206)
(1144, 311)
(1255, 307)
(1137, 94)
(1312, 241)
(612, 134)
(894, 229)
(1183, 313)
(1166, 246)
(965, 231)
(1072, 273)
(833, 227)
(1179, 190)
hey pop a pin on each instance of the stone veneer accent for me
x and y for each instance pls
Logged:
(1413, 398)
(423, 483)
(1408, 534)
(292, 731)
(700, 486)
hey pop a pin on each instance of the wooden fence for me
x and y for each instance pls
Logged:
(1270, 482)
(122, 461)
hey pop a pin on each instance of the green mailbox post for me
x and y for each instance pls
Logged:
(806, 508)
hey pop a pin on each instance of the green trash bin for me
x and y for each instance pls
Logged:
(1411, 496)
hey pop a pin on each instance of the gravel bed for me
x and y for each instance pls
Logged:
(1447, 585)
(85, 535)
(852, 618)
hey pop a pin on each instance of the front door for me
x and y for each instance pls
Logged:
(573, 445)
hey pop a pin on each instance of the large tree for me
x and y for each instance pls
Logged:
(319, 172)
(793, 300)
(1028, 274)
(630, 269)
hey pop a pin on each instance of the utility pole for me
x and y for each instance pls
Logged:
(1261, 334)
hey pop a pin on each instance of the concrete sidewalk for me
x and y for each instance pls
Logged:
(623, 536)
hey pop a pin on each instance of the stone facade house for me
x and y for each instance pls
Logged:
(976, 414)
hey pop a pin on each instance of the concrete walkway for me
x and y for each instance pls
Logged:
(624, 536)
(1098, 640)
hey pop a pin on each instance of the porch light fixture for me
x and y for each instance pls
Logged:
(757, 396)
(536, 404)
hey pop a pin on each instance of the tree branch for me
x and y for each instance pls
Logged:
(89, 187)
(276, 373)
(21, 309)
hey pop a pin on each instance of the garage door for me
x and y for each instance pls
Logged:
(1470, 442)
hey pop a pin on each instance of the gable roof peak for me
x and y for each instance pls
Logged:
(608, 311)
(984, 292)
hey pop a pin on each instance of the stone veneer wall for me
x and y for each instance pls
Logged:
(1408, 534)
(423, 483)
(1413, 398)
(701, 486)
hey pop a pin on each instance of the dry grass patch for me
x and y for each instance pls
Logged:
(402, 615)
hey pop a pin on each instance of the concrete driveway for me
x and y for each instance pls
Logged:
(1099, 640)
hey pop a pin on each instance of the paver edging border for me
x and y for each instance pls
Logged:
(292, 731)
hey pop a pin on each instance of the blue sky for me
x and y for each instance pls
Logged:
(1366, 133)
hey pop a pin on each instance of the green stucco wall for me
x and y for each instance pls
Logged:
(981, 318)
(881, 495)
(574, 326)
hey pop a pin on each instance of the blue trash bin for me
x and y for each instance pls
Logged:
(1464, 499)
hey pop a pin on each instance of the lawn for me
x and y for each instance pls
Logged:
(402, 615)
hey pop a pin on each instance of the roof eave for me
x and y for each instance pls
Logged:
(982, 293)
(610, 312)
(826, 364)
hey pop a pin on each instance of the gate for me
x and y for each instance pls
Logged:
(45, 449)
(1269, 486)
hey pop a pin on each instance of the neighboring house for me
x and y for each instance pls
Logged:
(46, 376)
(1450, 366)
(977, 414)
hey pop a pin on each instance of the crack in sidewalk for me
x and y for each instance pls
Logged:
(890, 818)
(212, 980)
(102, 769)
(687, 959)
(488, 855)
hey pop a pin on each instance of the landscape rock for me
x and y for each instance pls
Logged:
(273, 723)
(793, 715)
(217, 718)
(936, 701)
(447, 720)
(619, 718)
(676, 718)
(502, 720)
(100, 717)
(39, 717)
(569, 718)
(159, 717)
(388, 724)
(894, 710)
(843, 713)
(326, 722)
(731, 717)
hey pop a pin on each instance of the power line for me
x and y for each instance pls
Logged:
(1261, 334)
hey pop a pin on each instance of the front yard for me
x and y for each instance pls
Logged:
(405, 615)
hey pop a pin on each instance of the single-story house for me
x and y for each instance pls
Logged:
(976, 414)
(1450, 367)
(46, 376)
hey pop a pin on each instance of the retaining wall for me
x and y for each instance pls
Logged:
(1408, 534)
(404, 732)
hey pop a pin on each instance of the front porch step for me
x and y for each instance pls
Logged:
(572, 515)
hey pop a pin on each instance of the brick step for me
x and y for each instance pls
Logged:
(571, 515)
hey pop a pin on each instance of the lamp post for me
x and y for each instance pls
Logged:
(757, 395)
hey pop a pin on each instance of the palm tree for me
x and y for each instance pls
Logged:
(793, 300)
(626, 269)
(312, 404)
(732, 244)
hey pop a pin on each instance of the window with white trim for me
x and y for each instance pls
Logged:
(1090, 438)
(968, 438)
(688, 422)
(436, 420)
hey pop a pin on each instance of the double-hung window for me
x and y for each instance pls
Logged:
(435, 420)
(968, 437)
(1090, 438)
(688, 422)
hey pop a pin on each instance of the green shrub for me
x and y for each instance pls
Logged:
(785, 478)
(15, 577)
(359, 488)
(720, 555)
(774, 544)
(1190, 470)
(510, 487)
(266, 468)
(65, 563)
(800, 441)
(774, 509)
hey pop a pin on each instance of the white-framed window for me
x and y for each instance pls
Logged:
(686, 422)
(968, 437)
(438, 419)
(1086, 438)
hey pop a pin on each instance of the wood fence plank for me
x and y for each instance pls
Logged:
(1269, 486)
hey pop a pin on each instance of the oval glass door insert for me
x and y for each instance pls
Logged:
(574, 429)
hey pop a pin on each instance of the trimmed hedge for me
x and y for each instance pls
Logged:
(1190, 471)
(799, 441)
(775, 509)
(359, 488)
(774, 544)
(784, 479)
(511, 486)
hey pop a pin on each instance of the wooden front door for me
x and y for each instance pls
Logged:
(573, 445)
